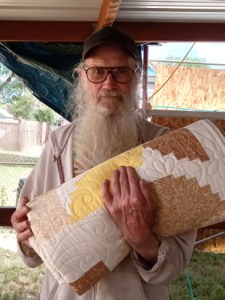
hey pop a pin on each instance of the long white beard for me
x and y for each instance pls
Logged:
(98, 136)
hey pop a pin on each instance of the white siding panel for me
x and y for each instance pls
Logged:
(172, 11)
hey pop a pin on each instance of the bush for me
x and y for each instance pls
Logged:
(3, 196)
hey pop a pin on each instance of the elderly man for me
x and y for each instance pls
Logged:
(105, 125)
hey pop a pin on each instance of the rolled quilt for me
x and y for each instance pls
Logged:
(185, 172)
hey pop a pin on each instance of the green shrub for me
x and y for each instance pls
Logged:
(3, 197)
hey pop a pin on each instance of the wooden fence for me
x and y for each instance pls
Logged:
(22, 135)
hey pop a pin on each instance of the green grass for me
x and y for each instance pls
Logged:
(17, 156)
(10, 175)
(17, 281)
(207, 275)
(206, 272)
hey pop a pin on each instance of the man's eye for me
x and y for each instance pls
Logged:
(98, 71)
(122, 71)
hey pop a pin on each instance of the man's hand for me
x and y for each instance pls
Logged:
(131, 208)
(21, 224)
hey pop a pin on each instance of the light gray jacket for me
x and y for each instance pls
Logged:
(131, 279)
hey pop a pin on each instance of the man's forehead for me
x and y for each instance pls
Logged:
(110, 55)
(112, 62)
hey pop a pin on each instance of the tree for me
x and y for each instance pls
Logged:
(23, 106)
(171, 57)
(10, 85)
(29, 108)
(45, 114)
(20, 102)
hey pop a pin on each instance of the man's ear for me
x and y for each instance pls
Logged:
(80, 72)
(139, 71)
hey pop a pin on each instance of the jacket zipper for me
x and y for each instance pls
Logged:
(60, 168)
(94, 292)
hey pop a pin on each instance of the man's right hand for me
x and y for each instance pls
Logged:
(21, 224)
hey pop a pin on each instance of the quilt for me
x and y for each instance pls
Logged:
(185, 172)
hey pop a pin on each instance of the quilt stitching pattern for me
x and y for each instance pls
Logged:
(47, 217)
(181, 143)
(90, 278)
(86, 245)
(186, 202)
(87, 198)
(185, 171)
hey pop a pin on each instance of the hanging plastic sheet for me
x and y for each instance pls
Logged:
(45, 68)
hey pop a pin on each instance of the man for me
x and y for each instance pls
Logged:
(105, 125)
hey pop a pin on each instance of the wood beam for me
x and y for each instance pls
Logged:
(173, 32)
(45, 31)
(108, 12)
(216, 226)
(55, 31)
(5, 215)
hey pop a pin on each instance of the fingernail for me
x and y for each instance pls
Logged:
(28, 223)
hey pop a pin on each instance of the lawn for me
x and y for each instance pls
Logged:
(11, 173)
(207, 275)
(18, 282)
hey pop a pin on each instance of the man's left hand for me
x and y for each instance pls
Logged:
(131, 208)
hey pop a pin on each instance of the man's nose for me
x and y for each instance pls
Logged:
(109, 83)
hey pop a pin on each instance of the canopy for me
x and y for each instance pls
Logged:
(45, 68)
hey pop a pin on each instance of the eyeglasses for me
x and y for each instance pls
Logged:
(119, 74)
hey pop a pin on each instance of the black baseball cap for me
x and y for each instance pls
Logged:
(110, 35)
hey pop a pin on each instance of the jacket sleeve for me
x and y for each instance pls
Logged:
(28, 255)
(33, 187)
(173, 256)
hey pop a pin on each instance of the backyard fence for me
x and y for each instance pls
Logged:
(22, 135)
(21, 144)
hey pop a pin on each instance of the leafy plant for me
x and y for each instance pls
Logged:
(29, 108)
(10, 85)
(19, 101)
(3, 196)
(45, 114)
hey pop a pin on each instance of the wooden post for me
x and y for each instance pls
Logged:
(145, 83)
(5, 215)
(108, 12)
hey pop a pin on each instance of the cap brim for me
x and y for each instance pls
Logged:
(108, 42)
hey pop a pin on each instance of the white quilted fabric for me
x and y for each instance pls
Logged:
(156, 166)
(75, 249)
(80, 246)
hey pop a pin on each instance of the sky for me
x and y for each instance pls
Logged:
(213, 52)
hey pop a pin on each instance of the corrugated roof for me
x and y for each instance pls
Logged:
(5, 114)
(51, 10)
(172, 11)
(130, 10)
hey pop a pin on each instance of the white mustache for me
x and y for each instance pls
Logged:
(108, 93)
